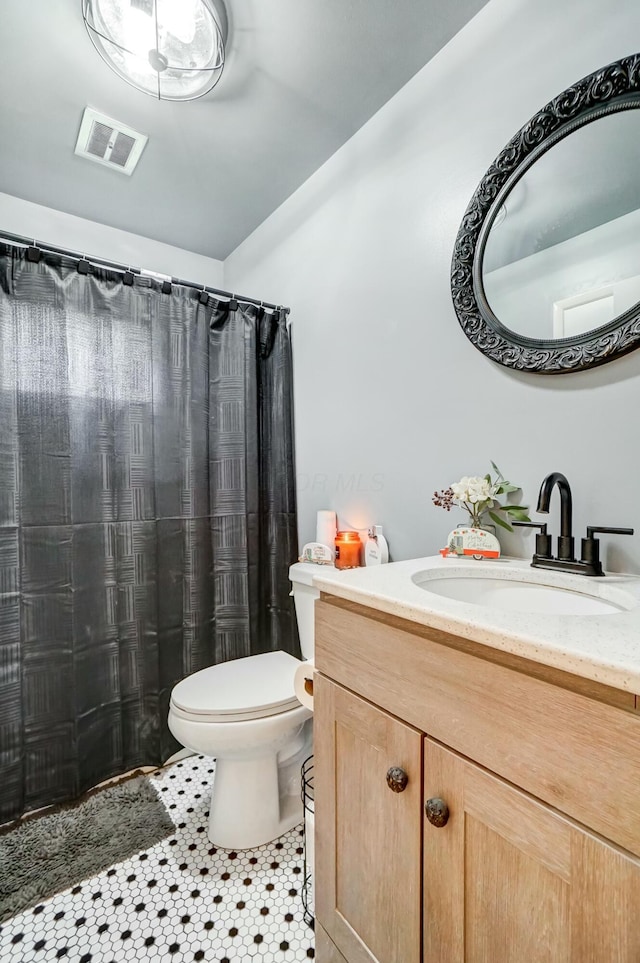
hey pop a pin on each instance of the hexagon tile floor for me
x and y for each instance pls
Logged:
(180, 901)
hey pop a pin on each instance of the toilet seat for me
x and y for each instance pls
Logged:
(241, 689)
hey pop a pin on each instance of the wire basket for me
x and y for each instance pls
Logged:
(308, 842)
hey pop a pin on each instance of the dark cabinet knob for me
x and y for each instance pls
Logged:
(397, 779)
(437, 812)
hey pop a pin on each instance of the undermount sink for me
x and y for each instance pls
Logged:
(513, 594)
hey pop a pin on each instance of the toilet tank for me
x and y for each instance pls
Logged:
(304, 595)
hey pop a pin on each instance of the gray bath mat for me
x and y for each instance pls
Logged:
(50, 853)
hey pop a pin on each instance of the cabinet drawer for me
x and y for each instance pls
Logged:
(576, 753)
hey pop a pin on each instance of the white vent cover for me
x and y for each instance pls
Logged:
(109, 142)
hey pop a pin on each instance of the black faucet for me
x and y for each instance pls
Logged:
(565, 539)
(589, 563)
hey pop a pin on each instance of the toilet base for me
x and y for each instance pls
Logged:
(258, 799)
(257, 781)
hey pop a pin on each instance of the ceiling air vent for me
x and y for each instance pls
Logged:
(109, 142)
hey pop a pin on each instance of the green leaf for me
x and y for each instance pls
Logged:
(519, 512)
(506, 487)
(500, 521)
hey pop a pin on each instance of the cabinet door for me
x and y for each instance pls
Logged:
(368, 837)
(508, 879)
(326, 950)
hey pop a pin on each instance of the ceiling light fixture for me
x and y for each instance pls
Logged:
(170, 49)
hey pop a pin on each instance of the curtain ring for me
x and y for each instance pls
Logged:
(127, 277)
(34, 253)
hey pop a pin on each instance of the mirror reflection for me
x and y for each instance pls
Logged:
(562, 256)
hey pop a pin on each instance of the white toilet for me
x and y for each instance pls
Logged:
(245, 714)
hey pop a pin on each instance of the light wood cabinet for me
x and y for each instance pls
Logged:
(510, 879)
(509, 876)
(326, 950)
(368, 839)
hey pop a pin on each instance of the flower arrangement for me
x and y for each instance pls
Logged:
(478, 495)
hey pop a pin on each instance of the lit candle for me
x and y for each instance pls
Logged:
(347, 550)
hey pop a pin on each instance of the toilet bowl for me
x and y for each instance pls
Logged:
(245, 714)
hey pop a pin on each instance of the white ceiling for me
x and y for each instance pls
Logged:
(301, 77)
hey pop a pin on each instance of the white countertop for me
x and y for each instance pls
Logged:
(604, 648)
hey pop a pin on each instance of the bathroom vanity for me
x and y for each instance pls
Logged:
(477, 790)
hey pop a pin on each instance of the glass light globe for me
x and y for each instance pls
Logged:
(171, 49)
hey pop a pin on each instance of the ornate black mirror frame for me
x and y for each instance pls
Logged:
(615, 87)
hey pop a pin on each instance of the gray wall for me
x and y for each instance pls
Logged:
(50, 226)
(392, 401)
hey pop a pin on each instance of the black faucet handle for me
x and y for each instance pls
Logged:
(543, 541)
(608, 531)
(590, 545)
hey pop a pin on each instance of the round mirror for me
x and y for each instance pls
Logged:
(546, 268)
(562, 256)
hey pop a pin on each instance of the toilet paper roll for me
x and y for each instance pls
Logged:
(303, 683)
(326, 526)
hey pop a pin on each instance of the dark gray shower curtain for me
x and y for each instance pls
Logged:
(147, 513)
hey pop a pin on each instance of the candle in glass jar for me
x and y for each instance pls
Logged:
(347, 550)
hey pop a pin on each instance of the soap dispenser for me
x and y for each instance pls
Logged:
(376, 550)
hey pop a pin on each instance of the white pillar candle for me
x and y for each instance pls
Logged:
(326, 526)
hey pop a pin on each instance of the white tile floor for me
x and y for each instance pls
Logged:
(182, 900)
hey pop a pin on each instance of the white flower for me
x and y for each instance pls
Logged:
(478, 494)
(472, 489)
(461, 489)
(479, 490)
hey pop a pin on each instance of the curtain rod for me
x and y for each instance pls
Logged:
(23, 241)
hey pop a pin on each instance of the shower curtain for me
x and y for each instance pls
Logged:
(147, 513)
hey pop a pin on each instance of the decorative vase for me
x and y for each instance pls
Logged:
(477, 521)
